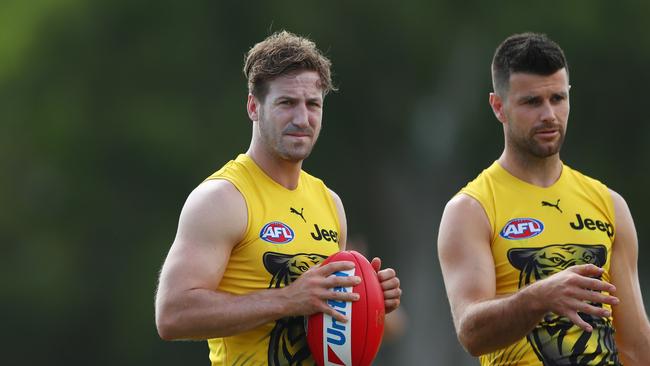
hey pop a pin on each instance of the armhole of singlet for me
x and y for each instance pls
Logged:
(491, 220)
(247, 229)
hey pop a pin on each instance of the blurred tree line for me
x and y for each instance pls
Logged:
(111, 112)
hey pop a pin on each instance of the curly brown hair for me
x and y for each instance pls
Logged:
(282, 53)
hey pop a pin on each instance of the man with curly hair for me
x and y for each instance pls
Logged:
(243, 270)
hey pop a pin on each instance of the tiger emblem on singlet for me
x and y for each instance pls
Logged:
(556, 340)
(288, 340)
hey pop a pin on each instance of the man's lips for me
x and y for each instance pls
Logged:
(298, 134)
(547, 132)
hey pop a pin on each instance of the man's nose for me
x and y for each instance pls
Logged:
(547, 112)
(301, 115)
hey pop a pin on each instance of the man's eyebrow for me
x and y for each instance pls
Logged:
(284, 97)
(528, 98)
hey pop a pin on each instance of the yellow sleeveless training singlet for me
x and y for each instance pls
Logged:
(288, 232)
(538, 232)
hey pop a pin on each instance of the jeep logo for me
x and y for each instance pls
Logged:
(323, 234)
(591, 224)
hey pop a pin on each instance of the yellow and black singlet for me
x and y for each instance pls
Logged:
(288, 232)
(538, 232)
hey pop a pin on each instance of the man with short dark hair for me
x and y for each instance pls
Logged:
(243, 270)
(539, 260)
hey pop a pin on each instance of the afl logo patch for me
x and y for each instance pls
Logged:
(521, 228)
(276, 232)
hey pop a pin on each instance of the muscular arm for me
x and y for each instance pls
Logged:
(484, 321)
(188, 306)
(630, 320)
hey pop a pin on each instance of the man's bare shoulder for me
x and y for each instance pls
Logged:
(342, 219)
(618, 200)
(215, 208)
(464, 203)
(459, 211)
(217, 188)
(335, 197)
(215, 194)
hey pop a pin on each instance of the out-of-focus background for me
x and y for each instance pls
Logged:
(111, 112)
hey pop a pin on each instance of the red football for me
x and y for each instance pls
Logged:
(356, 342)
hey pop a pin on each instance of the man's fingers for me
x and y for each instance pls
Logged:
(597, 297)
(341, 281)
(586, 308)
(595, 284)
(588, 270)
(341, 296)
(335, 314)
(577, 320)
(391, 304)
(376, 264)
(390, 284)
(385, 274)
(332, 267)
(393, 293)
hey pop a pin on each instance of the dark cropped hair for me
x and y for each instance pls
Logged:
(282, 53)
(532, 53)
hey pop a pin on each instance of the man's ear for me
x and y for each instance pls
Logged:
(252, 107)
(496, 102)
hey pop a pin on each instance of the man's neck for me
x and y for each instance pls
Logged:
(542, 172)
(285, 173)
